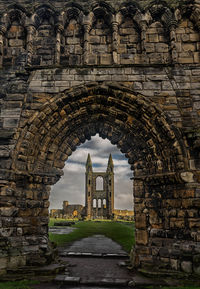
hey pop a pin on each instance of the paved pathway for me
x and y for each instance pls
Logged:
(61, 231)
(97, 244)
(95, 262)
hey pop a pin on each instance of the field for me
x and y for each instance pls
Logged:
(122, 233)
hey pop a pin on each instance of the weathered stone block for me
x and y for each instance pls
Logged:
(174, 264)
(189, 47)
(6, 232)
(141, 237)
(16, 261)
(106, 59)
(16, 43)
(4, 262)
(185, 60)
(162, 47)
(140, 221)
(149, 47)
(8, 211)
(153, 38)
(186, 266)
(152, 85)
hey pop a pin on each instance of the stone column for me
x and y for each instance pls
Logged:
(115, 34)
(87, 27)
(170, 26)
(59, 30)
(101, 207)
(143, 37)
(2, 34)
(89, 206)
(172, 34)
(1, 48)
(29, 40)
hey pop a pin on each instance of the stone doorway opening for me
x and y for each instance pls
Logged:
(78, 187)
(141, 130)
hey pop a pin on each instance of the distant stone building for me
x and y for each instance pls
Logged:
(99, 191)
(68, 211)
(127, 215)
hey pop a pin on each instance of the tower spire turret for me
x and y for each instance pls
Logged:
(89, 163)
(110, 166)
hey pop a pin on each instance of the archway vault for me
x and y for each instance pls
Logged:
(153, 146)
(131, 121)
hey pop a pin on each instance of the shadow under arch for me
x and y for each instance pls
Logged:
(139, 128)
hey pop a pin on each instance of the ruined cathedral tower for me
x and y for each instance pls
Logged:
(99, 191)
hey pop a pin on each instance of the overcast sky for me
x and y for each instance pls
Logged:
(71, 186)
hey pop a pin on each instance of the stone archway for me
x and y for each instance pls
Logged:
(154, 148)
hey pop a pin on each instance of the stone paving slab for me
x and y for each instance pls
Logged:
(96, 267)
(61, 231)
(104, 281)
(92, 255)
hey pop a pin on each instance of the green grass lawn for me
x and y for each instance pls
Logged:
(122, 233)
(24, 284)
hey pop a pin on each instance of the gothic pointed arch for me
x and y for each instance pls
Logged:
(100, 40)
(14, 12)
(122, 123)
(73, 12)
(42, 13)
(191, 9)
(102, 10)
(130, 9)
(13, 33)
(44, 21)
(160, 11)
(187, 32)
(130, 30)
(72, 39)
(102, 6)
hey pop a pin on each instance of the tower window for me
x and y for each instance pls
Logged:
(89, 182)
(110, 194)
(88, 194)
(99, 183)
(109, 182)
(94, 203)
(99, 203)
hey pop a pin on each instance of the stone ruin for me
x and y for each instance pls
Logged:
(129, 71)
(69, 211)
(99, 200)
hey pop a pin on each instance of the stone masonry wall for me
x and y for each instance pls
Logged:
(129, 73)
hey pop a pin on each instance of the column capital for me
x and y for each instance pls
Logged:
(59, 28)
(2, 29)
(87, 26)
